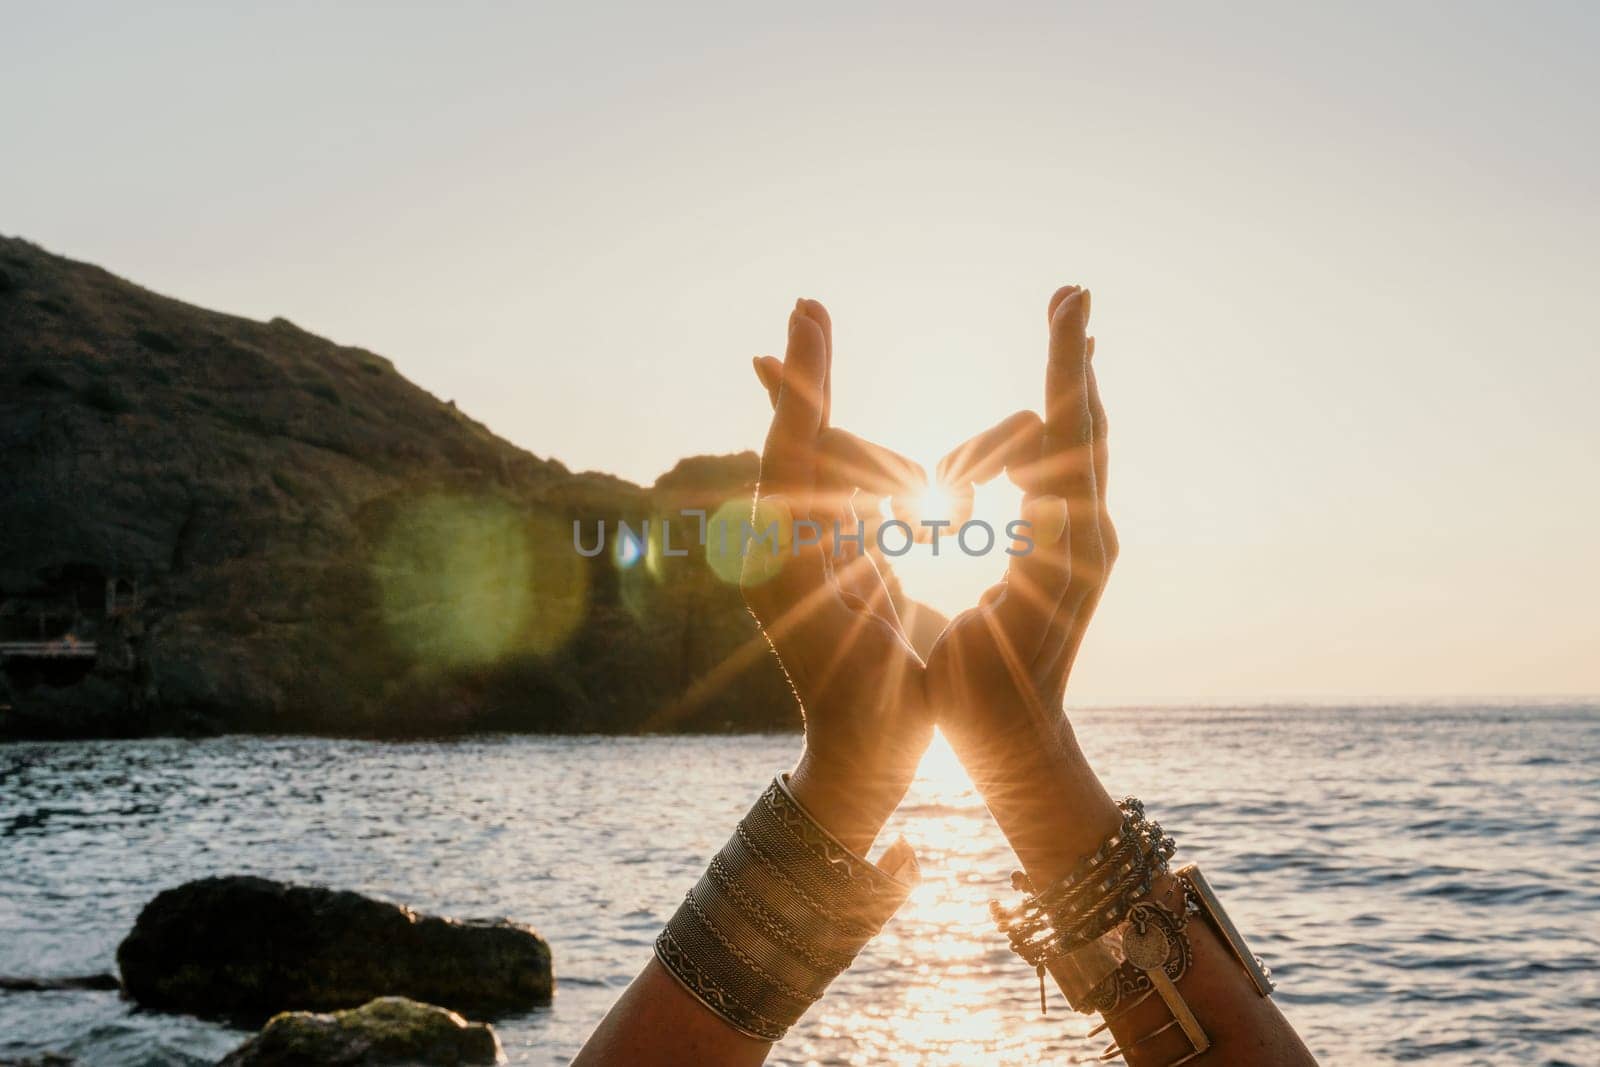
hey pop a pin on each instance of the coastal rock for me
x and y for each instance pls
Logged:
(217, 524)
(248, 948)
(387, 1031)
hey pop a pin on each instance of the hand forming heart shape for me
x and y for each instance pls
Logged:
(995, 676)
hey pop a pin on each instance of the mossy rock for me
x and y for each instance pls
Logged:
(388, 1031)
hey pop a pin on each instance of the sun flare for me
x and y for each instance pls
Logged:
(936, 503)
(949, 573)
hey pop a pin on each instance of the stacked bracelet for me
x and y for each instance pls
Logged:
(782, 908)
(1112, 945)
(1080, 908)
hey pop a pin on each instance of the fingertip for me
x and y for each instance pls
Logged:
(1067, 342)
(1068, 307)
(769, 370)
(805, 361)
(813, 310)
(1056, 298)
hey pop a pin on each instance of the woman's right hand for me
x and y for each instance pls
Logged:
(998, 674)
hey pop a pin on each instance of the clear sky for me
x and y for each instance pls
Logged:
(1343, 262)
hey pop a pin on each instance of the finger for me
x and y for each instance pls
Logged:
(1102, 460)
(818, 314)
(847, 460)
(788, 462)
(769, 372)
(1066, 466)
(1058, 668)
(1037, 578)
(1094, 555)
(1056, 298)
(843, 462)
(1097, 426)
(1011, 444)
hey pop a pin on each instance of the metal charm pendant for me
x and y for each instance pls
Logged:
(1146, 946)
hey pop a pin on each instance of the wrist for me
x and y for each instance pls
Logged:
(1045, 797)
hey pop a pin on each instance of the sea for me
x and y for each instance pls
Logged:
(1424, 880)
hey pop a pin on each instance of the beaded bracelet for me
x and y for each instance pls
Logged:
(1109, 947)
(1084, 905)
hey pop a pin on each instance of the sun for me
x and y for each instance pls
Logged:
(936, 503)
(950, 574)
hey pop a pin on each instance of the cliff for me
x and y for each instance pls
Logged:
(214, 524)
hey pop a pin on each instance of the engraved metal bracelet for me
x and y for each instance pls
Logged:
(781, 910)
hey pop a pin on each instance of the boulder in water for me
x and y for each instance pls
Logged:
(387, 1031)
(249, 948)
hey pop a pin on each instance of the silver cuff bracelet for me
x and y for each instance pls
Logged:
(782, 908)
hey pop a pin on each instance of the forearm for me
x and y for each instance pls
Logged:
(1055, 812)
(781, 909)
(1243, 1026)
(657, 1023)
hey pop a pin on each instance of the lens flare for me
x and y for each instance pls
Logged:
(627, 550)
(742, 547)
(469, 580)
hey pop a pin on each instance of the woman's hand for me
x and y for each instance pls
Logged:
(998, 673)
(857, 477)
(826, 611)
(860, 686)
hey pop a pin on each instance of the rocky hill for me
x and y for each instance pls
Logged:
(209, 523)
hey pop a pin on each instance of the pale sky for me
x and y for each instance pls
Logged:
(1343, 265)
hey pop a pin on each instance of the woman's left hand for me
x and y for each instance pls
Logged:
(825, 610)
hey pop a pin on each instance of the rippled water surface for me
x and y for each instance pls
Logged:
(1423, 881)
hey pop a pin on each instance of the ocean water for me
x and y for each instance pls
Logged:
(1422, 880)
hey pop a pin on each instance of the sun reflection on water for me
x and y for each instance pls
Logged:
(928, 994)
